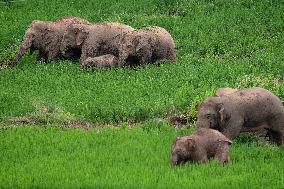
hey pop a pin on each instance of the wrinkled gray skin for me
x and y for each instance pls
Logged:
(244, 110)
(262, 127)
(46, 37)
(103, 61)
(94, 40)
(146, 45)
(200, 147)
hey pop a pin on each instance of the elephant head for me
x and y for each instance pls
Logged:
(211, 114)
(73, 39)
(182, 150)
(31, 39)
(135, 48)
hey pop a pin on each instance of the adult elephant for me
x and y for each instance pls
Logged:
(94, 40)
(146, 45)
(245, 109)
(46, 37)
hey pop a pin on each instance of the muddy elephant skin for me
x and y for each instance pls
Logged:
(146, 45)
(243, 110)
(200, 147)
(46, 37)
(94, 40)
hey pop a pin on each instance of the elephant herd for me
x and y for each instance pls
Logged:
(221, 118)
(105, 44)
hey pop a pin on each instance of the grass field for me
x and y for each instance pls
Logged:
(237, 43)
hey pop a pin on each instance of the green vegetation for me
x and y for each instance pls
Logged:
(237, 43)
(125, 158)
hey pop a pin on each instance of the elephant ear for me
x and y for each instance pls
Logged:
(221, 113)
(190, 143)
(79, 34)
(80, 37)
(138, 43)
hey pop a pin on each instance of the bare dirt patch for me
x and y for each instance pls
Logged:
(49, 115)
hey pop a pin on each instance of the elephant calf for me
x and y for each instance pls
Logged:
(46, 36)
(103, 61)
(200, 146)
(94, 40)
(244, 110)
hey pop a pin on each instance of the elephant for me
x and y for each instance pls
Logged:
(94, 40)
(200, 146)
(244, 110)
(146, 45)
(102, 61)
(46, 36)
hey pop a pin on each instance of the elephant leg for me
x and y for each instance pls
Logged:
(200, 155)
(53, 55)
(276, 129)
(146, 58)
(171, 56)
(276, 137)
(88, 53)
(222, 152)
(41, 56)
(233, 127)
(204, 159)
(122, 57)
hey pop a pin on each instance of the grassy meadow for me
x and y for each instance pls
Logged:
(237, 43)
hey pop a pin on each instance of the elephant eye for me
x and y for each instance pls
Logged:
(179, 152)
(208, 116)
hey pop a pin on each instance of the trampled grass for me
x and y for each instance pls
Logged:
(220, 43)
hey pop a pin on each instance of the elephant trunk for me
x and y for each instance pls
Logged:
(174, 160)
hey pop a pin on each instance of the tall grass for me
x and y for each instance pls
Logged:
(220, 43)
(237, 43)
(125, 158)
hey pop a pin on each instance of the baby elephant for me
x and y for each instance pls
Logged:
(244, 110)
(201, 146)
(93, 40)
(103, 61)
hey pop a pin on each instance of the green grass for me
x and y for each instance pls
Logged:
(237, 43)
(126, 158)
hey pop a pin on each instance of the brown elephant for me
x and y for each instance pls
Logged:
(243, 110)
(46, 36)
(94, 40)
(200, 146)
(146, 45)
